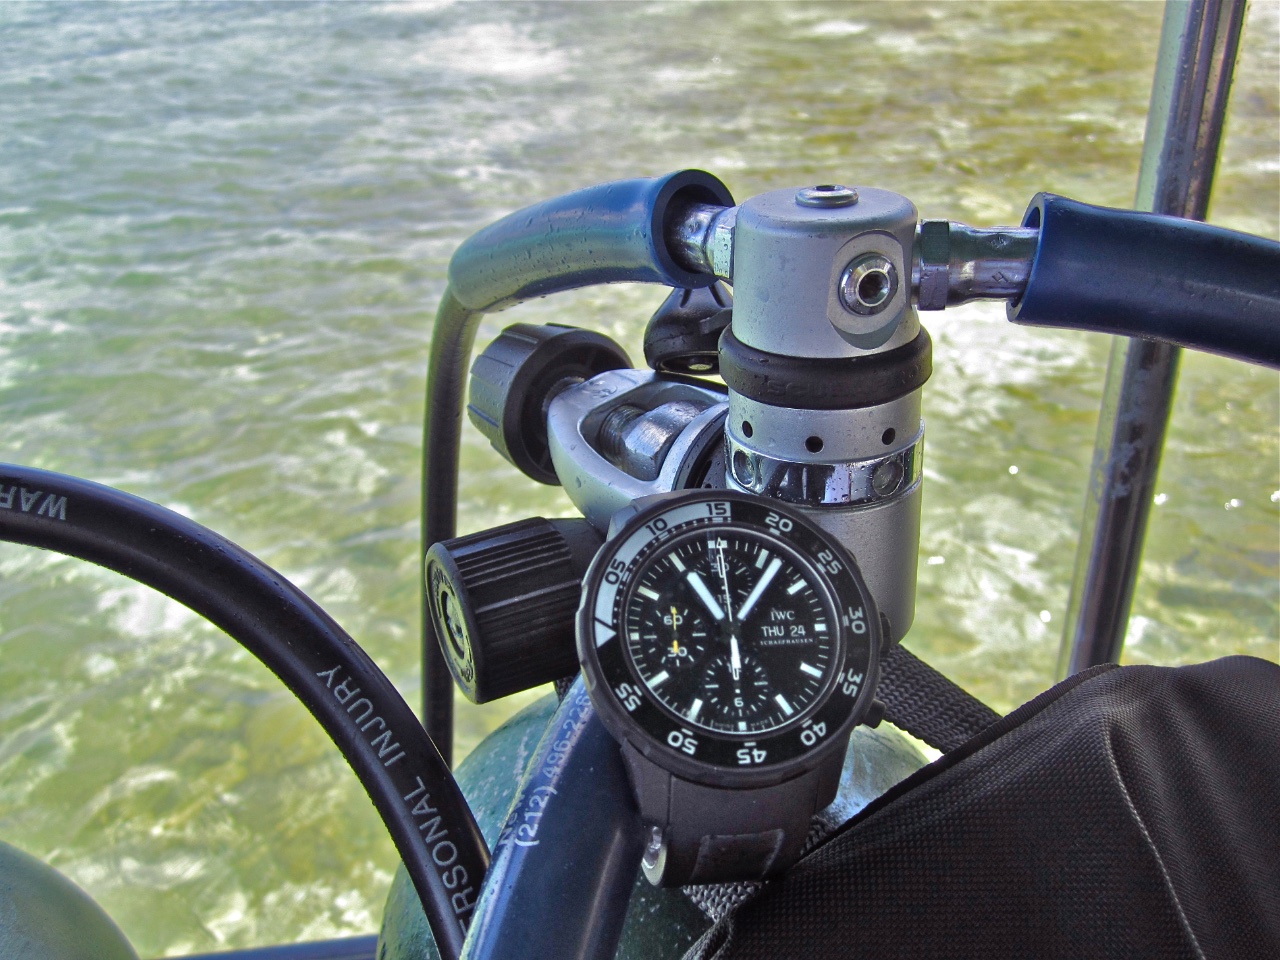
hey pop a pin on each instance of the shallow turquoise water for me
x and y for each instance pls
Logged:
(223, 233)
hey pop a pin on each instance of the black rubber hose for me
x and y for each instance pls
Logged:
(1144, 275)
(394, 759)
(452, 338)
(568, 855)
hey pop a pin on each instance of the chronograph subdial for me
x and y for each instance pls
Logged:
(675, 636)
(738, 701)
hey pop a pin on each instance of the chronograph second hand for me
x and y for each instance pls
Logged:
(722, 568)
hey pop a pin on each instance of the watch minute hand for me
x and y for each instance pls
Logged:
(735, 657)
(761, 586)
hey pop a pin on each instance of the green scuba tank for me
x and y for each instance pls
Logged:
(44, 916)
(661, 924)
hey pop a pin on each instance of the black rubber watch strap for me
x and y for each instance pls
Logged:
(737, 855)
(715, 834)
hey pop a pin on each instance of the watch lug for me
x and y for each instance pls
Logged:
(620, 519)
(652, 786)
(886, 635)
(827, 776)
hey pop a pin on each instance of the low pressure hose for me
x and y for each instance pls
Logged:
(568, 856)
(609, 233)
(1140, 274)
(410, 785)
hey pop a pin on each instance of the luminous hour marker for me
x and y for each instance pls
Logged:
(742, 725)
(646, 592)
(761, 557)
(658, 679)
(782, 702)
(694, 708)
(795, 588)
(811, 671)
(635, 637)
(820, 627)
(675, 562)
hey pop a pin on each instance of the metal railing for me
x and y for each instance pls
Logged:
(1197, 55)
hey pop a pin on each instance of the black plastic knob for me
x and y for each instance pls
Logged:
(515, 378)
(503, 603)
(683, 335)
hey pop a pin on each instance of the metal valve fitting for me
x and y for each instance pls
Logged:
(955, 263)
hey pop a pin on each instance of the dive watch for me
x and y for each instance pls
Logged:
(730, 645)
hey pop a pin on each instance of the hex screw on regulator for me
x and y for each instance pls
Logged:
(868, 284)
(827, 195)
(887, 478)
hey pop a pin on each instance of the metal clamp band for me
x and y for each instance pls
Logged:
(847, 483)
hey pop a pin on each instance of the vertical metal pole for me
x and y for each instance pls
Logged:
(1198, 46)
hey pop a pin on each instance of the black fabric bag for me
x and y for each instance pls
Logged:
(1129, 812)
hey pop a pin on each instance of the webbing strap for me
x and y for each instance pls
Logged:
(924, 703)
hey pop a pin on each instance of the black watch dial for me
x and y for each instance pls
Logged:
(730, 630)
(722, 628)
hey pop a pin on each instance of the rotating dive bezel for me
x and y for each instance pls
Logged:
(811, 578)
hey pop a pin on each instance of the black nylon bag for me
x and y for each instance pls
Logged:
(1128, 812)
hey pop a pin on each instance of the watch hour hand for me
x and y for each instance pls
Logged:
(709, 601)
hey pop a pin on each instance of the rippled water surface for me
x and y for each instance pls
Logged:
(223, 233)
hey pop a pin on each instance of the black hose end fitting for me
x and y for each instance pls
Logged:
(683, 335)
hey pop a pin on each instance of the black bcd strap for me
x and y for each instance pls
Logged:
(924, 703)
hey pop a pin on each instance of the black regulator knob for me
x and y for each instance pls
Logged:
(683, 335)
(517, 376)
(503, 603)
